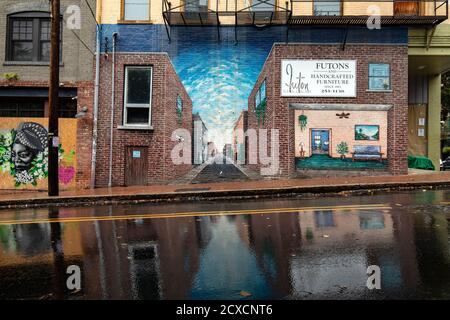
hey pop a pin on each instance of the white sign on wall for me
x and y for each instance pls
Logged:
(318, 78)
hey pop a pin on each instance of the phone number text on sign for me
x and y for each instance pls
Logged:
(318, 78)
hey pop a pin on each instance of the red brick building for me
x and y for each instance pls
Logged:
(150, 103)
(361, 103)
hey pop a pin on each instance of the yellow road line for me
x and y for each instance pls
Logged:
(194, 214)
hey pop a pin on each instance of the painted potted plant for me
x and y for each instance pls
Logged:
(303, 121)
(342, 149)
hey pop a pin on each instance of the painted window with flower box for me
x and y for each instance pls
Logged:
(261, 102)
(138, 96)
(379, 77)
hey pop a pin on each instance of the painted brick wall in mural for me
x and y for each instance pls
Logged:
(219, 73)
(23, 153)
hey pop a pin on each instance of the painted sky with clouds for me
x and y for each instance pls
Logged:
(219, 78)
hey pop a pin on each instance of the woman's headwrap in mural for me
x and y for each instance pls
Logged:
(30, 139)
(24, 154)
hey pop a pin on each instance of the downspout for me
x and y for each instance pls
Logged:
(96, 97)
(113, 86)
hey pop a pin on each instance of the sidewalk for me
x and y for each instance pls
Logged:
(225, 190)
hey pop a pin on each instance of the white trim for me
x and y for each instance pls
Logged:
(134, 127)
(127, 105)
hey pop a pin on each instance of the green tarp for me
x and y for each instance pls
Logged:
(419, 162)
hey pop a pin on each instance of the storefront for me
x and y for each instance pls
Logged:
(334, 109)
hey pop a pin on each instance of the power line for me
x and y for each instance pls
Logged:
(74, 33)
(92, 12)
(79, 39)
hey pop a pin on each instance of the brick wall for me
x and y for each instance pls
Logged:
(165, 87)
(76, 58)
(279, 116)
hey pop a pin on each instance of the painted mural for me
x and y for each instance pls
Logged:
(219, 73)
(24, 151)
(367, 132)
(343, 143)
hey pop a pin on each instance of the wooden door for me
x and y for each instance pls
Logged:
(136, 166)
(406, 8)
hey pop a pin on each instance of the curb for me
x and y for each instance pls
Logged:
(266, 193)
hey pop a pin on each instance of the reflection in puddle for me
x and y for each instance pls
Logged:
(313, 254)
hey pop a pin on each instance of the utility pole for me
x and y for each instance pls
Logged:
(53, 95)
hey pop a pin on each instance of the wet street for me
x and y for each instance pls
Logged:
(267, 249)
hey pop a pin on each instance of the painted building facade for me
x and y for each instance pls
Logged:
(220, 49)
(333, 106)
(239, 138)
(199, 140)
(24, 69)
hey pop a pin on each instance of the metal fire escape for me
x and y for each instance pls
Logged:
(297, 13)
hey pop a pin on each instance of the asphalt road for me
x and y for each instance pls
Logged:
(272, 249)
(219, 171)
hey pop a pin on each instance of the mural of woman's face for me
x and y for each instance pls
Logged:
(22, 156)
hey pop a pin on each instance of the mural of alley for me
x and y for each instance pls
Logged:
(219, 73)
(219, 79)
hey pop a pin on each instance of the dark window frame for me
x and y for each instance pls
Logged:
(369, 76)
(37, 17)
(35, 107)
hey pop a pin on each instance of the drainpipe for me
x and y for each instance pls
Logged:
(111, 133)
(96, 96)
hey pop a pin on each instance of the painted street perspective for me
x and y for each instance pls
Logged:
(290, 249)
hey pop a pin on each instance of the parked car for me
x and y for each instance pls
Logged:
(445, 164)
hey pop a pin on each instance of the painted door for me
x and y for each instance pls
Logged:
(136, 166)
(320, 141)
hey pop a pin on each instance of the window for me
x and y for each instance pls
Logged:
(29, 37)
(136, 10)
(263, 5)
(327, 8)
(179, 108)
(379, 76)
(260, 102)
(196, 5)
(67, 108)
(35, 107)
(11, 107)
(138, 96)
